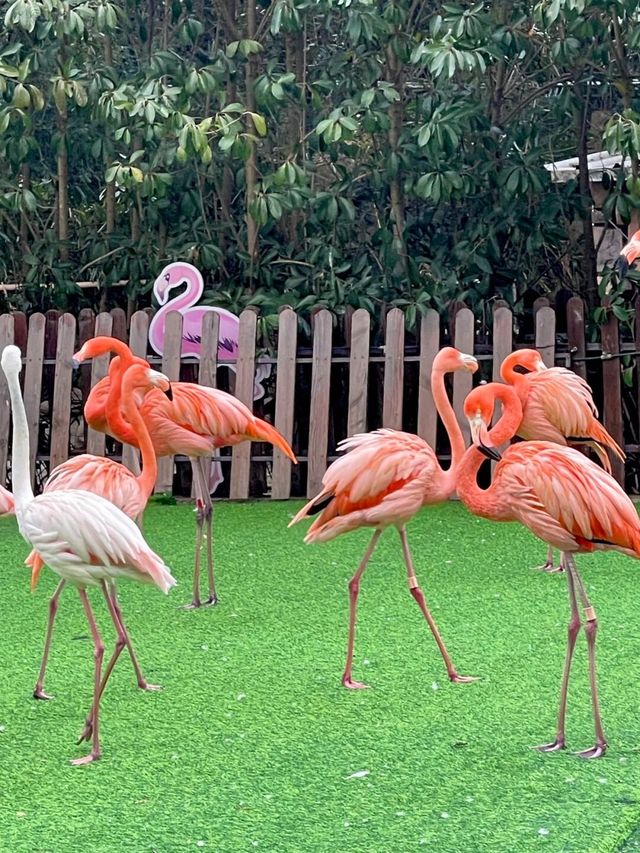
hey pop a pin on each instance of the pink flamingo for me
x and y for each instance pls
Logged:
(84, 538)
(197, 422)
(629, 253)
(384, 479)
(557, 406)
(563, 498)
(7, 503)
(174, 275)
(115, 483)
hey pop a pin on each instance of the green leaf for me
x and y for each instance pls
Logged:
(259, 123)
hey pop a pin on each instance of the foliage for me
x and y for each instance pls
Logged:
(308, 152)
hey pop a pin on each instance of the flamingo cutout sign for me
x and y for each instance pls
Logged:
(180, 273)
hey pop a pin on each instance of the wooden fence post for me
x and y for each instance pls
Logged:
(99, 369)
(6, 338)
(138, 332)
(245, 378)
(462, 379)
(429, 346)
(33, 384)
(546, 334)
(63, 380)
(285, 399)
(393, 370)
(502, 347)
(320, 396)
(613, 392)
(172, 348)
(575, 334)
(359, 345)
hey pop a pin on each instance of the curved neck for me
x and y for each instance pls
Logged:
(20, 469)
(118, 426)
(149, 475)
(488, 502)
(450, 421)
(195, 286)
(509, 375)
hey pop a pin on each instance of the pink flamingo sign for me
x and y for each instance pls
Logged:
(180, 273)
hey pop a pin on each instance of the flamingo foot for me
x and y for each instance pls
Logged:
(193, 605)
(596, 751)
(86, 759)
(39, 693)
(212, 600)
(463, 679)
(554, 746)
(151, 688)
(349, 683)
(549, 568)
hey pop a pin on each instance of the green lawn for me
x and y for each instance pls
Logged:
(253, 744)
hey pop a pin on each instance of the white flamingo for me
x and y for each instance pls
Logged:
(84, 538)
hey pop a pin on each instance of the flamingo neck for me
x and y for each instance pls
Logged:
(136, 424)
(20, 469)
(489, 502)
(118, 426)
(450, 421)
(195, 288)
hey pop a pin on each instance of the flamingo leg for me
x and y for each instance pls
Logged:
(204, 464)
(590, 629)
(38, 691)
(572, 635)
(195, 601)
(143, 684)
(549, 565)
(416, 592)
(98, 654)
(354, 589)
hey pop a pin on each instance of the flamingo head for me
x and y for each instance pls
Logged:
(478, 409)
(629, 254)
(11, 360)
(141, 377)
(522, 362)
(449, 359)
(99, 346)
(173, 275)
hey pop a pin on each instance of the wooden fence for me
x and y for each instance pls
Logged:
(318, 392)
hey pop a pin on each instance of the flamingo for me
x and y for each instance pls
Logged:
(179, 273)
(7, 503)
(628, 255)
(557, 406)
(118, 485)
(197, 422)
(383, 480)
(83, 537)
(563, 498)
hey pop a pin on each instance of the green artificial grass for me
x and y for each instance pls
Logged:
(253, 744)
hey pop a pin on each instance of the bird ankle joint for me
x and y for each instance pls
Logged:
(590, 613)
(412, 580)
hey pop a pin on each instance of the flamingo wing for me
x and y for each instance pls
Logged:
(101, 476)
(559, 407)
(566, 499)
(383, 478)
(85, 539)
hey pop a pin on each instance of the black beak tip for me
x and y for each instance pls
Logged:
(169, 393)
(489, 452)
(621, 266)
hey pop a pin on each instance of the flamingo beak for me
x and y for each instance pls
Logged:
(479, 437)
(540, 366)
(469, 362)
(159, 380)
(621, 266)
(161, 290)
